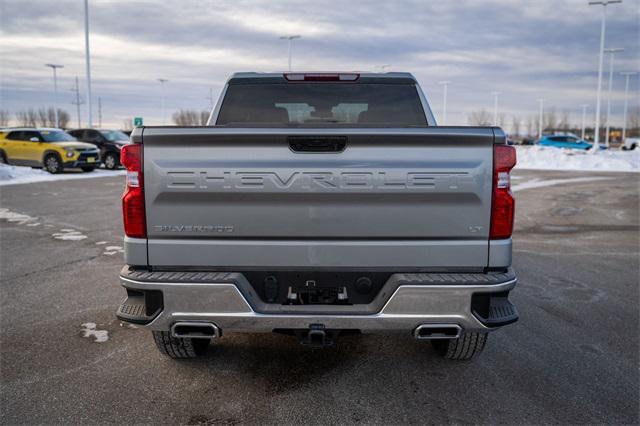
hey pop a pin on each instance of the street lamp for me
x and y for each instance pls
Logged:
(627, 74)
(584, 119)
(612, 51)
(162, 82)
(495, 107)
(445, 85)
(541, 102)
(87, 60)
(55, 90)
(603, 26)
(290, 38)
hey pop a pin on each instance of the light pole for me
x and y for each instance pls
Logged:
(627, 74)
(87, 60)
(611, 51)
(584, 119)
(162, 82)
(603, 27)
(78, 101)
(495, 107)
(55, 90)
(445, 85)
(541, 102)
(290, 38)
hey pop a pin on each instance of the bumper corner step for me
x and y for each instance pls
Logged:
(140, 307)
(501, 312)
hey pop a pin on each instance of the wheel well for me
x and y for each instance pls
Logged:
(48, 153)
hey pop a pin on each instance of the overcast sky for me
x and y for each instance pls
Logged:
(524, 49)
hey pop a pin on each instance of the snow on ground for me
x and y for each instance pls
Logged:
(541, 183)
(13, 175)
(550, 158)
(89, 330)
(69, 235)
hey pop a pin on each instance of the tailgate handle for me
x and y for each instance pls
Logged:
(317, 143)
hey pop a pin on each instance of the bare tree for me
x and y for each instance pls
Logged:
(550, 121)
(43, 118)
(204, 117)
(633, 122)
(531, 125)
(480, 118)
(27, 118)
(564, 121)
(502, 119)
(189, 117)
(515, 124)
(4, 117)
(64, 118)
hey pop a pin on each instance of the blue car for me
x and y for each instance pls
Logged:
(571, 142)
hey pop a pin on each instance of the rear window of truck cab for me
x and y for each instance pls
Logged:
(324, 104)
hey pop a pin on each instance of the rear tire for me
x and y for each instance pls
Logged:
(111, 161)
(87, 169)
(465, 347)
(180, 348)
(3, 158)
(53, 164)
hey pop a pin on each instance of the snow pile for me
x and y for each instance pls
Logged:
(550, 158)
(13, 175)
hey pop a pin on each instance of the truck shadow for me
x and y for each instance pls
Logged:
(280, 364)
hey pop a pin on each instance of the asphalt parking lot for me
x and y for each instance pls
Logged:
(572, 357)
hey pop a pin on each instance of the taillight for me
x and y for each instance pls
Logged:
(503, 204)
(133, 197)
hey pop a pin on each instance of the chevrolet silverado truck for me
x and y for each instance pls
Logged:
(318, 205)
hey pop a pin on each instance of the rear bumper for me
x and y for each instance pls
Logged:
(405, 302)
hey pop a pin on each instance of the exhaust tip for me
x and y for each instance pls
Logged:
(437, 331)
(195, 330)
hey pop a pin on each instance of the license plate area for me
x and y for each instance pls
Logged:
(317, 287)
(311, 294)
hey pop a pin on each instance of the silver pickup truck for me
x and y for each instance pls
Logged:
(318, 205)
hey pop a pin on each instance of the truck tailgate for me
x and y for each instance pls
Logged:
(220, 197)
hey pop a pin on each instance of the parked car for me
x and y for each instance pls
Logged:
(52, 149)
(631, 144)
(110, 142)
(316, 205)
(565, 141)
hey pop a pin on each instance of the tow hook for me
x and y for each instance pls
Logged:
(316, 337)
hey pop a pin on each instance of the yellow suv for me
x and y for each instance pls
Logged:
(52, 149)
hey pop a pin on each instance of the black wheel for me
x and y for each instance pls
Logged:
(53, 164)
(3, 158)
(87, 168)
(467, 346)
(180, 348)
(111, 161)
(633, 146)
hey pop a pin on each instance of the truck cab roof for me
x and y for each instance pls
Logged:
(322, 76)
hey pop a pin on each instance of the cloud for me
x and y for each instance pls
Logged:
(527, 50)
